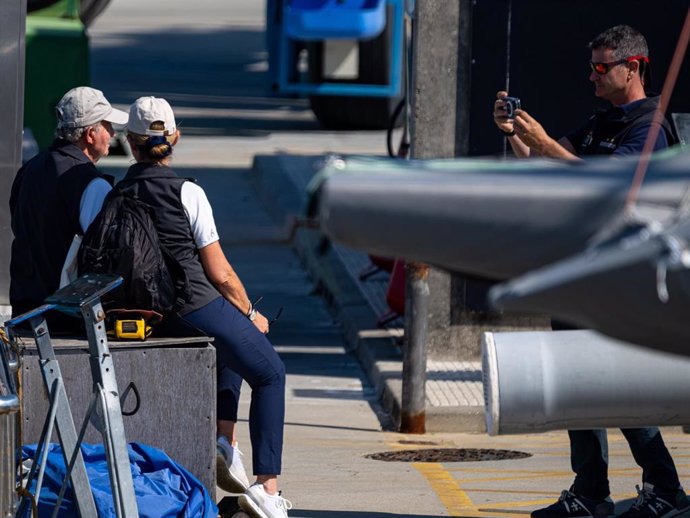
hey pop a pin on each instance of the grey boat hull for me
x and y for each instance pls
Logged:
(635, 289)
(486, 218)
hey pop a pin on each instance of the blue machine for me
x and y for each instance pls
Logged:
(293, 25)
(311, 20)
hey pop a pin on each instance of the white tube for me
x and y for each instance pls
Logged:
(557, 380)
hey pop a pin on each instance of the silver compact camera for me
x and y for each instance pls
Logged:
(512, 104)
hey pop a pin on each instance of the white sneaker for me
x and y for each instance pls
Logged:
(256, 502)
(230, 472)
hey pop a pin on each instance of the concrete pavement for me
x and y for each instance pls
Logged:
(207, 58)
(454, 389)
(334, 417)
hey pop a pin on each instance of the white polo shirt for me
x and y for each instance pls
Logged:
(194, 200)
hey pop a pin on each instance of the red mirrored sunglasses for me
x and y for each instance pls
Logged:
(603, 68)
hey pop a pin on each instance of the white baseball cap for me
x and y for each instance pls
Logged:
(83, 106)
(147, 110)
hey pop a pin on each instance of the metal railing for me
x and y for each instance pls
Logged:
(9, 409)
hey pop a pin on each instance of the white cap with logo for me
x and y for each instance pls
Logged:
(84, 106)
(147, 110)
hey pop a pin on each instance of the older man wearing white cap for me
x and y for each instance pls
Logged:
(56, 195)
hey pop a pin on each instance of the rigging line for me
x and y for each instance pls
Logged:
(669, 84)
(684, 206)
(508, 36)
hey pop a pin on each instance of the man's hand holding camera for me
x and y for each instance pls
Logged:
(504, 107)
(524, 133)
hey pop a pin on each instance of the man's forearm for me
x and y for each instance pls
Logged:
(532, 135)
(520, 149)
(553, 149)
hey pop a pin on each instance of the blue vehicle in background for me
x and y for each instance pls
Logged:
(346, 55)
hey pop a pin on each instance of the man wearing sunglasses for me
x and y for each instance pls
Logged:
(619, 71)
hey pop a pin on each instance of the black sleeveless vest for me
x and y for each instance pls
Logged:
(44, 203)
(160, 187)
(606, 129)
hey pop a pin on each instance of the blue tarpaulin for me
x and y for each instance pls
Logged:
(163, 488)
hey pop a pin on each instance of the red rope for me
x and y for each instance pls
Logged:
(669, 84)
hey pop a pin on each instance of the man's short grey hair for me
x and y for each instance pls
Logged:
(623, 40)
(74, 134)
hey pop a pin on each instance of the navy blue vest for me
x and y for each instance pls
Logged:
(160, 187)
(606, 129)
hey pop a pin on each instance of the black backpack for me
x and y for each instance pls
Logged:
(123, 240)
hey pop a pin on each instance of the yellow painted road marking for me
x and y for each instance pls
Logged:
(498, 470)
(517, 477)
(535, 503)
(632, 473)
(453, 485)
(523, 503)
(491, 512)
(451, 495)
(505, 490)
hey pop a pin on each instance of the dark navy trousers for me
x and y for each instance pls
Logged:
(244, 353)
(589, 460)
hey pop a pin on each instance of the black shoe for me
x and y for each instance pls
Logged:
(650, 504)
(570, 505)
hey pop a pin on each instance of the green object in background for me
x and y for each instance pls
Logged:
(57, 59)
(54, 8)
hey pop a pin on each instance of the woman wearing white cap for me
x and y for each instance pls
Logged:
(218, 306)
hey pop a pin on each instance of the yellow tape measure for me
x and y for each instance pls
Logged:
(135, 329)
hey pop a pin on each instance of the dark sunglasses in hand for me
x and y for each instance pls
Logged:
(280, 312)
(271, 321)
(604, 68)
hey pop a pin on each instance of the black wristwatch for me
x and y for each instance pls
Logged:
(507, 133)
(251, 314)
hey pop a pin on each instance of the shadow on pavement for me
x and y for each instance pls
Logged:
(304, 513)
(332, 427)
(215, 79)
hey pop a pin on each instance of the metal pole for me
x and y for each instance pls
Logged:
(432, 134)
(433, 127)
(413, 411)
(413, 404)
(12, 27)
(9, 409)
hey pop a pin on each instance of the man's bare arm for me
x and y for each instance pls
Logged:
(533, 135)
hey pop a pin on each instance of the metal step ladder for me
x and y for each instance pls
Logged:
(82, 298)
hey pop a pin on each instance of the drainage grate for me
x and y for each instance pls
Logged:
(448, 455)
